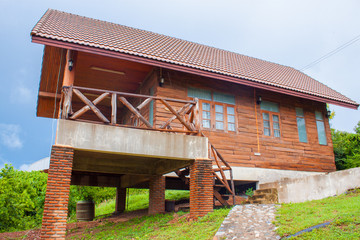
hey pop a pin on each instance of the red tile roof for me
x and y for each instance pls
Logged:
(66, 27)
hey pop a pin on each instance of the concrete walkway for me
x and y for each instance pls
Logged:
(250, 221)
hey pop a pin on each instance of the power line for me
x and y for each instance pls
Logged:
(338, 49)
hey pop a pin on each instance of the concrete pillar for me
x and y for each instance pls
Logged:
(201, 188)
(157, 195)
(120, 204)
(57, 193)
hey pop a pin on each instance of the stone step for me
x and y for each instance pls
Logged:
(266, 190)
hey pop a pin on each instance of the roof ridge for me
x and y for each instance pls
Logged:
(91, 32)
(164, 35)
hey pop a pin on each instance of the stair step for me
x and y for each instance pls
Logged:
(266, 190)
(260, 194)
(219, 185)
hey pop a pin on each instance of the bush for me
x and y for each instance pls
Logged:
(22, 197)
(346, 148)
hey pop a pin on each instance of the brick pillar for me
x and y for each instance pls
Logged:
(57, 193)
(201, 188)
(157, 195)
(120, 200)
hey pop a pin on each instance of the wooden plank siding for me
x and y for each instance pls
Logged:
(239, 148)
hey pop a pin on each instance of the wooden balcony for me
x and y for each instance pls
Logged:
(112, 132)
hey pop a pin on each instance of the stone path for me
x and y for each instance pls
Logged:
(250, 221)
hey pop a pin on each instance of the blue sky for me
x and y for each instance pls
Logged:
(292, 33)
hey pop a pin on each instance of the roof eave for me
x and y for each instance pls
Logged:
(153, 62)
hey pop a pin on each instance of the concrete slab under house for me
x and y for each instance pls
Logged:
(138, 109)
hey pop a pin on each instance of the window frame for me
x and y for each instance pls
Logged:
(213, 112)
(271, 121)
(317, 129)
(213, 116)
(297, 125)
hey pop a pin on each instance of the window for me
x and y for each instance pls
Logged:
(271, 118)
(217, 109)
(300, 119)
(320, 128)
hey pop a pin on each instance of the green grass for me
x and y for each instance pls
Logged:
(138, 199)
(343, 211)
(160, 226)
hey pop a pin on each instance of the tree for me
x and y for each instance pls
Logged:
(346, 148)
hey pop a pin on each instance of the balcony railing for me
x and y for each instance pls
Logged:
(130, 109)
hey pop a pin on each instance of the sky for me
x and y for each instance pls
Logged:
(292, 33)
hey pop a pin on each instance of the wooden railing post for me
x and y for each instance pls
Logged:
(113, 108)
(67, 91)
(197, 122)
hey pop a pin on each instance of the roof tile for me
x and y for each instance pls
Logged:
(100, 34)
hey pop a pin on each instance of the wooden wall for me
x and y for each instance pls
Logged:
(238, 148)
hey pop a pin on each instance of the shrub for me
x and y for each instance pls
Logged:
(22, 197)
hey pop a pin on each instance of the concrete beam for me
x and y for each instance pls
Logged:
(129, 141)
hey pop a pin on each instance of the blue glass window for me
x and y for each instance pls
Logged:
(300, 119)
(320, 125)
(199, 93)
(269, 106)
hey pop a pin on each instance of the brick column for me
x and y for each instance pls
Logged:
(201, 188)
(57, 193)
(120, 200)
(157, 195)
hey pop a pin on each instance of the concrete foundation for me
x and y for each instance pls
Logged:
(266, 175)
(316, 187)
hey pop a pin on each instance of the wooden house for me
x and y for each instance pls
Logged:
(141, 109)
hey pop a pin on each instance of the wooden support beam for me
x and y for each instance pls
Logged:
(91, 105)
(196, 113)
(49, 95)
(87, 107)
(67, 102)
(69, 75)
(177, 115)
(134, 111)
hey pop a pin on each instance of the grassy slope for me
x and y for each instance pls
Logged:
(343, 211)
(161, 226)
(138, 199)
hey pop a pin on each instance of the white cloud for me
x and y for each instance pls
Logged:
(36, 166)
(22, 94)
(9, 136)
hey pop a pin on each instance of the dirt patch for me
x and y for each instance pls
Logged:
(29, 234)
(77, 228)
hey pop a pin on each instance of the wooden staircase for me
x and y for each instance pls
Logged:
(220, 180)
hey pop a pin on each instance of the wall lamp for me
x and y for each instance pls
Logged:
(70, 64)
(259, 100)
(328, 113)
(161, 82)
